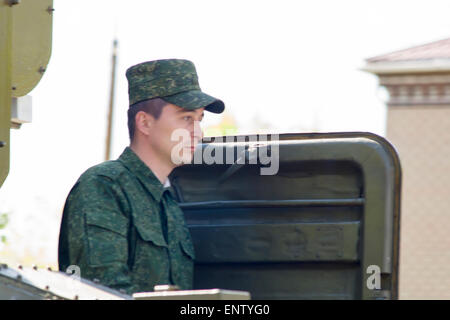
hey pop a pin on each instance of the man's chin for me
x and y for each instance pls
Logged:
(185, 159)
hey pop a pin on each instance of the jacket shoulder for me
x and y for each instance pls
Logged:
(112, 169)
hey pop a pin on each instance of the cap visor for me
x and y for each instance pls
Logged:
(195, 99)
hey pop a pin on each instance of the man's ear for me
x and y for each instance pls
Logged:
(144, 122)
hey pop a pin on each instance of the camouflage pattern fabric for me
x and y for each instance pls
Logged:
(173, 80)
(122, 227)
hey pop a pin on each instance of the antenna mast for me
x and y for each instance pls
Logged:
(111, 102)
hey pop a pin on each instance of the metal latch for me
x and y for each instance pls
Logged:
(21, 111)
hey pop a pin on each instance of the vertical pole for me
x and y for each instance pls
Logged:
(111, 102)
(5, 87)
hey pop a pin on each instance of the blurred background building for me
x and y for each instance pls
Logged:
(417, 81)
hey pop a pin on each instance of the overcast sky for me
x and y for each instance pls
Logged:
(292, 64)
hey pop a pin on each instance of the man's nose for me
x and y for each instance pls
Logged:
(198, 133)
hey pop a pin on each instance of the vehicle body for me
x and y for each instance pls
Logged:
(325, 226)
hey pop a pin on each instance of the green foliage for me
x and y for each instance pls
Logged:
(3, 223)
(3, 220)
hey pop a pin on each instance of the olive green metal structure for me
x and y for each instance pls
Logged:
(25, 48)
(5, 87)
(320, 228)
(32, 283)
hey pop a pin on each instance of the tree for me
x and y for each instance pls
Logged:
(3, 223)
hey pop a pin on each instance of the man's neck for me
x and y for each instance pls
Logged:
(161, 169)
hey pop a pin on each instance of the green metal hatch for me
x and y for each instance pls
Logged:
(317, 229)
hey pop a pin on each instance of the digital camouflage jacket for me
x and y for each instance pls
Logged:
(122, 227)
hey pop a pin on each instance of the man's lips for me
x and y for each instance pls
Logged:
(190, 147)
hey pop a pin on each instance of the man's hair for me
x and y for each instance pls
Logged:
(151, 106)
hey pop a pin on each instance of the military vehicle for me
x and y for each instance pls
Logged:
(319, 220)
(325, 226)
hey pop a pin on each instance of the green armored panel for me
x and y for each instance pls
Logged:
(25, 48)
(5, 87)
(31, 43)
(324, 226)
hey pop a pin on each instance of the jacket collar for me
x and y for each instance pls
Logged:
(142, 172)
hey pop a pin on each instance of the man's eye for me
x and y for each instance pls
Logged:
(187, 118)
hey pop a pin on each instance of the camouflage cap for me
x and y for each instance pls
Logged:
(173, 80)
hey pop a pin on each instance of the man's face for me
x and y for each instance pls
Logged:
(176, 133)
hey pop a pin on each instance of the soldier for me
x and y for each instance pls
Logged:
(121, 224)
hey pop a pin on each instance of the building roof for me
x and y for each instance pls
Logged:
(434, 50)
(430, 57)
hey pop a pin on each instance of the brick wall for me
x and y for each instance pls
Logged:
(421, 135)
